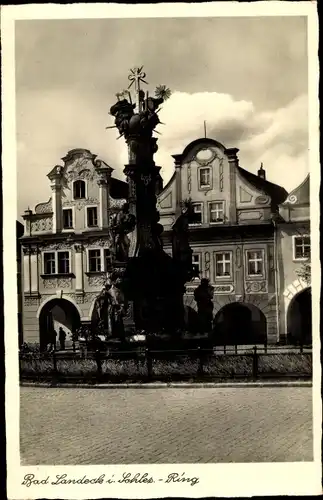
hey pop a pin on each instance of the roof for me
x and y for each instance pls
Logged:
(168, 183)
(118, 189)
(277, 193)
(19, 229)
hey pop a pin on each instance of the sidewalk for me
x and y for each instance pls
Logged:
(174, 385)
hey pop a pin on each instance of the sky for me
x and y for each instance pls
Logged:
(247, 77)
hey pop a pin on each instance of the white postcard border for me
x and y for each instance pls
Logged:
(214, 479)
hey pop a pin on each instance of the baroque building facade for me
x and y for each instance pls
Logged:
(243, 241)
(294, 257)
(249, 239)
(67, 245)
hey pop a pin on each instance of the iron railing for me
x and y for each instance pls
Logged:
(243, 362)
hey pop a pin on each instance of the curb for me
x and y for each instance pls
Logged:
(211, 385)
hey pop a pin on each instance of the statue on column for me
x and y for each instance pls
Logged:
(181, 250)
(123, 224)
(110, 308)
(203, 296)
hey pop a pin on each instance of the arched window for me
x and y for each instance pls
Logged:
(79, 190)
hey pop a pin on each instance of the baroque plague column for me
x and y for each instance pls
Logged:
(153, 280)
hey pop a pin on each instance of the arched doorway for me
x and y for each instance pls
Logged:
(239, 323)
(55, 314)
(299, 318)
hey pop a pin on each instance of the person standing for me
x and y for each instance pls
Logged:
(62, 338)
(74, 339)
(52, 336)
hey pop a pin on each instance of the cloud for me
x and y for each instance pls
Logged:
(50, 123)
(278, 138)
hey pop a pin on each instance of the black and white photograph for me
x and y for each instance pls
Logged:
(161, 249)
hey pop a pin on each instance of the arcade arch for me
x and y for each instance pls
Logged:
(299, 318)
(239, 323)
(56, 313)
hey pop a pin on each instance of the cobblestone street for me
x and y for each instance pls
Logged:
(113, 426)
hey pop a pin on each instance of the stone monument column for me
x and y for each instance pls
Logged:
(142, 203)
(152, 279)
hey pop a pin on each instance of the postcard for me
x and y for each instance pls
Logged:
(161, 219)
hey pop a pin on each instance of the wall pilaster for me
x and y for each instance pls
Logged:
(233, 165)
(55, 177)
(178, 184)
(30, 271)
(79, 281)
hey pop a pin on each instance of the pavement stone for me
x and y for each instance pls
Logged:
(65, 426)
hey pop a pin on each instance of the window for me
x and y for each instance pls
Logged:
(196, 263)
(255, 263)
(107, 260)
(63, 260)
(67, 218)
(216, 212)
(197, 208)
(57, 262)
(49, 263)
(222, 264)
(302, 247)
(94, 261)
(92, 217)
(79, 190)
(205, 177)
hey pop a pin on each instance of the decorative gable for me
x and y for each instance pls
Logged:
(297, 204)
(248, 196)
(245, 196)
(300, 195)
(166, 204)
(253, 205)
(79, 164)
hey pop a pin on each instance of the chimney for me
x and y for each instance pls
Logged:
(262, 172)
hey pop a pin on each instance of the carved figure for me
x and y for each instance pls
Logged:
(122, 111)
(139, 124)
(181, 249)
(203, 296)
(123, 224)
(110, 308)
